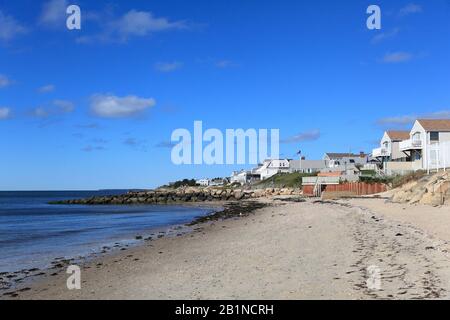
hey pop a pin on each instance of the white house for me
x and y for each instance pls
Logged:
(390, 147)
(244, 177)
(271, 167)
(217, 182)
(203, 182)
(428, 145)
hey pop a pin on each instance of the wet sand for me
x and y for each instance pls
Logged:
(287, 250)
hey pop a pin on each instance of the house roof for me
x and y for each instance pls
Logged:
(330, 174)
(307, 164)
(334, 155)
(398, 135)
(435, 124)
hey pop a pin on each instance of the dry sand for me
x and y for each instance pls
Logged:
(285, 251)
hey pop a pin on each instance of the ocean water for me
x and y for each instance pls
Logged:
(33, 232)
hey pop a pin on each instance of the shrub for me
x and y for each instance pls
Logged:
(181, 183)
(400, 180)
(375, 179)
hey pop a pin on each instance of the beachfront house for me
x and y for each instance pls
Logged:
(306, 166)
(216, 182)
(333, 160)
(271, 167)
(389, 149)
(428, 145)
(244, 177)
(203, 182)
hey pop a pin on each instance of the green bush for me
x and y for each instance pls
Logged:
(368, 173)
(181, 183)
(375, 179)
(284, 180)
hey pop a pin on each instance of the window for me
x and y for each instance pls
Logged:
(417, 155)
(434, 136)
(352, 161)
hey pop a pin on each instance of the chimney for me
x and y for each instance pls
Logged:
(303, 158)
(362, 154)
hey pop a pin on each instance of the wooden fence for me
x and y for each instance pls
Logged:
(356, 188)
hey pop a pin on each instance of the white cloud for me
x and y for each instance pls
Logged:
(4, 81)
(397, 121)
(57, 107)
(168, 66)
(90, 148)
(47, 88)
(407, 120)
(385, 35)
(132, 24)
(225, 64)
(4, 113)
(54, 13)
(64, 105)
(303, 136)
(444, 114)
(141, 23)
(110, 106)
(88, 126)
(40, 112)
(411, 8)
(9, 27)
(397, 57)
(136, 144)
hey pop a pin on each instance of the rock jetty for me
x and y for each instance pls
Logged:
(180, 195)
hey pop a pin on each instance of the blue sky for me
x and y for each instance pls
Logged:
(95, 108)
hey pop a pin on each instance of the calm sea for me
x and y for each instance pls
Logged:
(33, 233)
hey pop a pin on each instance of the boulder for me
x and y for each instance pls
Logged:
(238, 194)
(435, 199)
(258, 193)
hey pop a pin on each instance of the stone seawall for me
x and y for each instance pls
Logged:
(191, 194)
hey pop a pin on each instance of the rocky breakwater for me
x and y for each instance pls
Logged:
(180, 195)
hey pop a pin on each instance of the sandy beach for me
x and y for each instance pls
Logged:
(287, 250)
